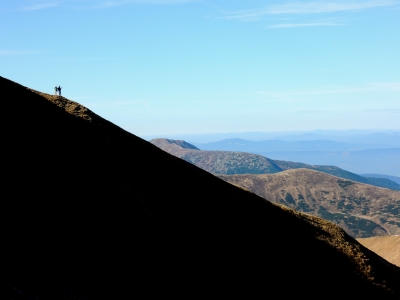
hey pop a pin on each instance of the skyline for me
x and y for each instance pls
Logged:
(205, 67)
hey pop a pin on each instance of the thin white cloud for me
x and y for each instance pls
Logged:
(395, 110)
(113, 103)
(389, 110)
(373, 87)
(105, 4)
(78, 98)
(40, 6)
(16, 52)
(306, 8)
(161, 1)
(293, 25)
(317, 112)
(82, 59)
(90, 4)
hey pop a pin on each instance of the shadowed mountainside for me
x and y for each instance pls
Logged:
(386, 246)
(361, 210)
(90, 211)
(231, 162)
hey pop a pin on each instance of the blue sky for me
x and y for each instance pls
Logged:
(166, 67)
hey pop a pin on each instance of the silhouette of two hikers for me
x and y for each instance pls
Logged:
(57, 89)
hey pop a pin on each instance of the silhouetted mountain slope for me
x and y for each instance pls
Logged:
(90, 211)
(361, 210)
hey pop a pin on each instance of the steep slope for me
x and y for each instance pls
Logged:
(90, 211)
(362, 210)
(386, 246)
(218, 162)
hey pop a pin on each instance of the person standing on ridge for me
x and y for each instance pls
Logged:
(55, 90)
(59, 90)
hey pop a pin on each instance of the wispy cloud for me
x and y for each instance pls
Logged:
(317, 112)
(113, 3)
(373, 87)
(82, 59)
(90, 4)
(79, 98)
(386, 110)
(292, 25)
(113, 103)
(395, 110)
(306, 8)
(16, 52)
(40, 6)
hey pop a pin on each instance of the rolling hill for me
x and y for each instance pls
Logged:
(232, 162)
(218, 162)
(90, 211)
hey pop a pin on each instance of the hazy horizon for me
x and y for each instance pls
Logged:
(263, 135)
(199, 66)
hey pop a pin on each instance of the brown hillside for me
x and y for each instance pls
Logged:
(90, 211)
(386, 246)
(361, 210)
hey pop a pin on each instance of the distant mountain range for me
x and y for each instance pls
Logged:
(372, 137)
(90, 211)
(234, 162)
(290, 146)
(361, 210)
(392, 178)
(381, 158)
